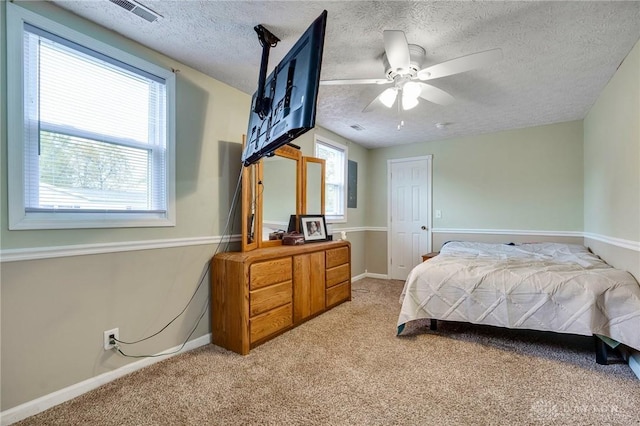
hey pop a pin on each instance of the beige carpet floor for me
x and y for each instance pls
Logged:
(347, 366)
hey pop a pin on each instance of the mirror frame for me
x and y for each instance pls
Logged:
(248, 197)
(292, 154)
(285, 151)
(305, 192)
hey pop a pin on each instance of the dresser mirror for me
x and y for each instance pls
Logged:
(279, 194)
(275, 188)
(250, 218)
(313, 185)
(250, 213)
(279, 189)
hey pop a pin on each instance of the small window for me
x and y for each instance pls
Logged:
(335, 156)
(91, 136)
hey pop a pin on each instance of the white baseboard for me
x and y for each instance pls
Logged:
(358, 277)
(369, 275)
(43, 403)
(379, 276)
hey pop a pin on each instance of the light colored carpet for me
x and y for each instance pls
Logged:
(347, 366)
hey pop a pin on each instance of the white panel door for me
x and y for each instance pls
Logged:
(409, 214)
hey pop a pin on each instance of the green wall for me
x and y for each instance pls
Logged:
(612, 169)
(525, 179)
(54, 311)
(612, 156)
(612, 173)
(211, 119)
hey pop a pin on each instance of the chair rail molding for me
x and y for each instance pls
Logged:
(35, 253)
(618, 242)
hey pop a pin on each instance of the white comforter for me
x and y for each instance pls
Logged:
(539, 286)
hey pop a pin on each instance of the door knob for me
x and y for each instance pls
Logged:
(424, 228)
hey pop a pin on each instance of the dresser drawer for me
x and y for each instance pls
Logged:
(337, 257)
(338, 293)
(270, 272)
(267, 298)
(338, 274)
(270, 322)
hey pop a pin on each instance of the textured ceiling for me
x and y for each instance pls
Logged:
(558, 56)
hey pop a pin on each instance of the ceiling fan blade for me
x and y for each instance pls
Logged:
(387, 98)
(462, 64)
(397, 49)
(433, 94)
(356, 81)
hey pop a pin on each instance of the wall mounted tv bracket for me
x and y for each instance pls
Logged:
(267, 41)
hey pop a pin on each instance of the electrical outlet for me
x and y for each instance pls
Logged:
(438, 214)
(114, 332)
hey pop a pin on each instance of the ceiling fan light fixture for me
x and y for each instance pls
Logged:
(388, 97)
(403, 64)
(411, 89)
(410, 93)
(409, 102)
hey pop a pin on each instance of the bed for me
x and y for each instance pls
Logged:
(562, 288)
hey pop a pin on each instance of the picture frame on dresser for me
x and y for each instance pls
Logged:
(313, 227)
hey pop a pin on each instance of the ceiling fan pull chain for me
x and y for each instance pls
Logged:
(399, 111)
(401, 124)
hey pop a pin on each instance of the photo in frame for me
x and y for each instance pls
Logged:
(313, 227)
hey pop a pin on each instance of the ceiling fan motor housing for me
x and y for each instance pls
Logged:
(417, 56)
(408, 67)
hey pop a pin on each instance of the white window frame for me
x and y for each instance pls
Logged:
(321, 140)
(19, 218)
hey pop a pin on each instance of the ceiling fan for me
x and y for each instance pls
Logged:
(403, 64)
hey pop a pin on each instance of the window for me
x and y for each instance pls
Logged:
(91, 131)
(335, 156)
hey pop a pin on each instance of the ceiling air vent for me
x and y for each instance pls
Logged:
(137, 9)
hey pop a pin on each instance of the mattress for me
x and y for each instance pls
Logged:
(538, 286)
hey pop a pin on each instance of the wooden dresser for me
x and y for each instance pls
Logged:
(259, 294)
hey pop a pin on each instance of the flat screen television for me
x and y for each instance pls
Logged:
(291, 93)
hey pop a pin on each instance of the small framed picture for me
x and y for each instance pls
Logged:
(313, 227)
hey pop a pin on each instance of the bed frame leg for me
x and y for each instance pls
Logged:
(601, 351)
(433, 324)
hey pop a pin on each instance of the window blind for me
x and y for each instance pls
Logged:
(95, 131)
(334, 178)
